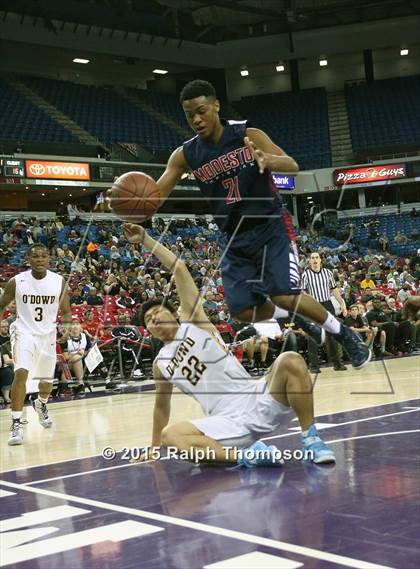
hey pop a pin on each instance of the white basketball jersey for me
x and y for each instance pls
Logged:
(37, 302)
(199, 364)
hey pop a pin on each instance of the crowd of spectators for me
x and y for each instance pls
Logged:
(109, 279)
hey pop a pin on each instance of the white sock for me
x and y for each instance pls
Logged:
(331, 324)
(43, 399)
(16, 415)
(280, 313)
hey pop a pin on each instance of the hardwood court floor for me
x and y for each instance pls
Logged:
(83, 427)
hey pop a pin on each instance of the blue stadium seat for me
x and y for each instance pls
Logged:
(385, 112)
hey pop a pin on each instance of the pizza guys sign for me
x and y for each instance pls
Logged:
(366, 174)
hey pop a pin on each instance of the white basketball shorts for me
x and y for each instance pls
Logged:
(34, 353)
(249, 416)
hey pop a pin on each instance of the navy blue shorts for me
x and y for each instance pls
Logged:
(260, 262)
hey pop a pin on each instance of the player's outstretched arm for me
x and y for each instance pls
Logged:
(267, 154)
(191, 308)
(175, 167)
(8, 296)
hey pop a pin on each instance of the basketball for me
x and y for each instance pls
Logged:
(134, 197)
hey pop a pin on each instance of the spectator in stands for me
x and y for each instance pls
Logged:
(355, 322)
(404, 293)
(75, 349)
(128, 337)
(384, 242)
(413, 212)
(19, 227)
(4, 332)
(74, 238)
(112, 286)
(377, 318)
(105, 333)
(92, 248)
(65, 254)
(90, 323)
(36, 231)
(78, 297)
(115, 256)
(367, 283)
(404, 328)
(3, 257)
(93, 298)
(210, 305)
(11, 309)
(6, 372)
(123, 300)
(400, 238)
(135, 292)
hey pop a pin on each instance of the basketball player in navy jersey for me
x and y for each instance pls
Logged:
(232, 164)
(39, 294)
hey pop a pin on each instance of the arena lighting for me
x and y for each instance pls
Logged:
(42, 194)
(244, 72)
(323, 61)
(80, 60)
(160, 71)
(279, 67)
(404, 51)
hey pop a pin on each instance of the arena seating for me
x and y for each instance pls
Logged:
(389, 224)
(298, 122)
(166, 104)
(22, 120)
(105, 113)
(385, 112)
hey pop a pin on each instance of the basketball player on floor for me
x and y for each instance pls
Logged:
(238, 409)
(232, 164)
(39, 294)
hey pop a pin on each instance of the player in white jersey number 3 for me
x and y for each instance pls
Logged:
(39, 294)
(238, 409)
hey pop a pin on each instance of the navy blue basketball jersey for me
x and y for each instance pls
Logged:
(228, 176)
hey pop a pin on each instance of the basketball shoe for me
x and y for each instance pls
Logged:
(312, 443)
(313, 330)
(259, 454)
(16, 433)
(42, 411)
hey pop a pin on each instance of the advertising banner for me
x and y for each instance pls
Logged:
(283, 181)
(366, 174)
(57, 170)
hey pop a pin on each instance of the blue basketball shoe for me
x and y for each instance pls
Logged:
(315, 448)
(259, 454)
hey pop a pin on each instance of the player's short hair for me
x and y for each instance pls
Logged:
(36, 246)
(146, 306)
(197, 88)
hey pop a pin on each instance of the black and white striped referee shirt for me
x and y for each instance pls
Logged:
(318, 284)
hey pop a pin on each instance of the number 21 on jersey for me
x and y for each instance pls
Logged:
(232, 185)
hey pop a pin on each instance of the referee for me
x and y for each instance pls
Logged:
(319, 283)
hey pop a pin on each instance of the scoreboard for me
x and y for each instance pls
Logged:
(12, 168)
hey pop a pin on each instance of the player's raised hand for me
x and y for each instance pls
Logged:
(258, 155)
(134, 233)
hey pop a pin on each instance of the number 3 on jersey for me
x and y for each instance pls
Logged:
(39, 313)
(232, 185)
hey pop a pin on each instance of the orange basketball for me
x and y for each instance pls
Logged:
(134, 197)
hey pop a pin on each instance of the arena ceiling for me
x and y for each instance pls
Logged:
(210, 21)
